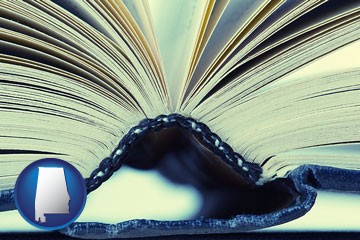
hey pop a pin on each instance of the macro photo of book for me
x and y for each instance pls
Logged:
(253, 103)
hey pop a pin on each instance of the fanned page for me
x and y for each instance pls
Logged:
(247, 84)
(184, 20)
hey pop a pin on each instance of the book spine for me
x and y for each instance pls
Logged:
(250, 171)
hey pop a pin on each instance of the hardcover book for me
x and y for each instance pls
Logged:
(203, 92)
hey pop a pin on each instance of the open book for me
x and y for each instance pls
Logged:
(199, 90)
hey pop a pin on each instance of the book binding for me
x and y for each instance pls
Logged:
(250, 171)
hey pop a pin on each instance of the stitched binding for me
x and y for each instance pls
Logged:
(250, 171)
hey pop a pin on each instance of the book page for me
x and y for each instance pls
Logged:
(216, 13)
(286, 13)
(344, 59)
(212, 15)
(140, 14)
(341, 155)
(60, 78)
(315, 19)
(140, 11)
(308, 48)
(202, 77)
(235, 16)
(295, 114)
(48, 113)
(177, 24)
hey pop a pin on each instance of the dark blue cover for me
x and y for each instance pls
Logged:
(307, 179)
